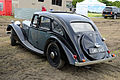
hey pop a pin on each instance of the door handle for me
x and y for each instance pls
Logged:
(49, 32)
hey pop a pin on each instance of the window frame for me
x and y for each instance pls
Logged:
(60, 27)
(57, 2)
(45, 28)
(83, 22)
(32, 24)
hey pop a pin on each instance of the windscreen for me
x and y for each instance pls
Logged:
(81, 27)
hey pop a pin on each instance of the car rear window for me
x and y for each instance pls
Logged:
(81, 27)
(108, 9)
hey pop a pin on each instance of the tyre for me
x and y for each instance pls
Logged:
(13, 41)
(115, 17)
(105, 17)
(54, 57)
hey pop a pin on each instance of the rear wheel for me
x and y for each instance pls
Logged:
(53, 55)
(115, 17)
(105, 17)
(13, 41)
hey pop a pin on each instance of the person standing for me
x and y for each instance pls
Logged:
(43, 8)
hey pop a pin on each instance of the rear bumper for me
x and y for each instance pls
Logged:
(94, 62)
(108, 15)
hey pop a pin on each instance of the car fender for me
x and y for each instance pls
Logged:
(17, 30)
(66, 50)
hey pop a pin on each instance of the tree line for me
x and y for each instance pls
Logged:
(108, 3)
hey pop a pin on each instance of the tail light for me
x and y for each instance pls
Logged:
(113, 55)
(108, 52)
(111, 13)
(83, 60)
(75, 56)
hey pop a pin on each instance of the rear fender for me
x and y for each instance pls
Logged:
(66, 50)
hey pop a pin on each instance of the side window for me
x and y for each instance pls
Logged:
(1, 6)
(45, 23)
(115, 9)
(40, 0)
(56, 27)
(57, 2)
(35, 19)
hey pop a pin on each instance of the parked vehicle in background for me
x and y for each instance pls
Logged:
(112, 12)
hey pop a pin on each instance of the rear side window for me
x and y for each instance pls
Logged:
(45, 22)
(115, 9)
(56, 27)
(81, 27)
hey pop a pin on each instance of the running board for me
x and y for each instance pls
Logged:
(29, 46)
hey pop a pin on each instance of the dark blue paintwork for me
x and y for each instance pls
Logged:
(36, 39)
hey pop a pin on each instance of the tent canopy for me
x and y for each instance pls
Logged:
(93, 5)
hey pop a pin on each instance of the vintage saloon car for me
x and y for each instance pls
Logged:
(62, 38)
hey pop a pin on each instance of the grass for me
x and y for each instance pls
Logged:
(94, 15)
(6, 17)
(117, 52)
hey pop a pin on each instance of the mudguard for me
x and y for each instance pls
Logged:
(18, 31)
(20, 35)
(66, 50)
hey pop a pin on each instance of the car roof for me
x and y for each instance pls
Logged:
(110, 7)
(66, 16)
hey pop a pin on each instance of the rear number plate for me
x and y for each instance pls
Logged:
(96, 50)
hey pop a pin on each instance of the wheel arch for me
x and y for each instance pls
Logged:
(66, 52)
(17, 30)
(9, 28)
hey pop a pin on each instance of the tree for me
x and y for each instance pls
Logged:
(108, 3)
(116, 3)
(75, 1)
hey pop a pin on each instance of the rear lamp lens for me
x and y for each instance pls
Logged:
(111, 12)
(108, 52)
(113, 55)
(83, 60)
(75, 56)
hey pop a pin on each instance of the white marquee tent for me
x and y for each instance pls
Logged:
(90, 5)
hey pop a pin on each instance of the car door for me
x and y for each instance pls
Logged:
(44, 31)
(33, 31)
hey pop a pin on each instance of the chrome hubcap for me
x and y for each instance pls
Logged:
(52, 55)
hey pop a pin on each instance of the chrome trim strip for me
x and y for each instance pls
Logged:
(93, 62)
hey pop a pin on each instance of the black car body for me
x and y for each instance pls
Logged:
(111, 11)
(62, 37)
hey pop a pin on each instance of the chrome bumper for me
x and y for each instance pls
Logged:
(93, 62)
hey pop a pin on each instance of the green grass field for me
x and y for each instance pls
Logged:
(94, 15)
(6, 17)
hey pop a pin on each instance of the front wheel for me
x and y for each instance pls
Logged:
(54, 56)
